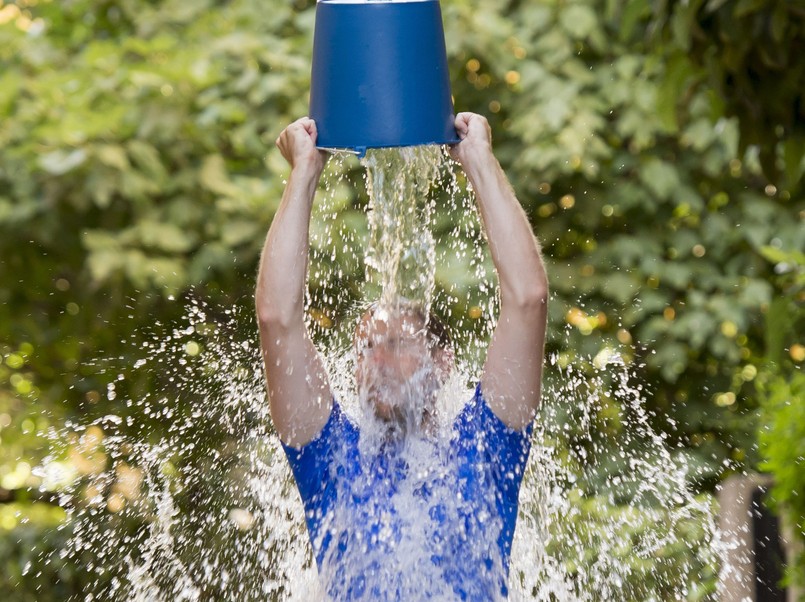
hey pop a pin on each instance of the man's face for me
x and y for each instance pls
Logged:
(396, 370)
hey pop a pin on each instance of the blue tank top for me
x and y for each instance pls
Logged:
(432, 521)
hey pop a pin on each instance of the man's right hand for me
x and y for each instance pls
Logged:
(297, 143)
(298, 390)
(475, 147)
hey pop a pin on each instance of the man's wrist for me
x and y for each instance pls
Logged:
(306, 170)
(477, 159)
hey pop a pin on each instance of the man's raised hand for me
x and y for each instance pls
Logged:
(297, 143)
(475, 137)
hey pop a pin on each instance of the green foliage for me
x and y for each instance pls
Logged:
(782, 445)
(22, 547)
(644, 569)
(781, 430)
(750, 52)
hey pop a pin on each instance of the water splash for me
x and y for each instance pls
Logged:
(610, 500)
(194, 500)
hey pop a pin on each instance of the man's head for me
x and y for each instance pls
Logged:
(404, 357)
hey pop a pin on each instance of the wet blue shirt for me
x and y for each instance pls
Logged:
(385, 526)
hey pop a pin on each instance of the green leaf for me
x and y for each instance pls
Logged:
(757, 293)
(779, 22)
(713, 5)
(745, 7)
(147, 158)
(236, 232)
(168, 274)
(214, 176)
(100, 240)
(620, 287)
(10, 83)
(794, 158)
(211, 257)
(635, 11)
(775, 255)
(113, 156)
(671, 90)
(659, 177)
(18, 212)
(578, 20)
(778, 320)
(102, 186)
(60, 162)
(671, 359)
(165, 237)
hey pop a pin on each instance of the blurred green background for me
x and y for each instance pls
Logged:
(657, 146)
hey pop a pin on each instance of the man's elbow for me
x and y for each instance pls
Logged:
(532, 298)
(529, 295)
(275, 316)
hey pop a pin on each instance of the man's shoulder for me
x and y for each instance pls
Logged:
(337, 432)
(477, 426)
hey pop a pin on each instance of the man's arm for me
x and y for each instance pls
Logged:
(298, 390)
(512, 373)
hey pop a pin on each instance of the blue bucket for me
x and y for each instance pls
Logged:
(379, 75)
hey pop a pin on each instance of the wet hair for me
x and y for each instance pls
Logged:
(436, 328)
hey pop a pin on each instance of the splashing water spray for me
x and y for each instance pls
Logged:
(196, 502)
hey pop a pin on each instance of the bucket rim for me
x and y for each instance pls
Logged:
(360, 150)
(374, 2)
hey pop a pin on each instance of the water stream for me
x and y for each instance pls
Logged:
(194, 501)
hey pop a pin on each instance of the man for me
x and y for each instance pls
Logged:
(388, 520)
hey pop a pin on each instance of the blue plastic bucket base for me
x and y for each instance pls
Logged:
(379, 76)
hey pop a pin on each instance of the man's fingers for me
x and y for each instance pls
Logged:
(310, 128)
(462, 130)
(298, 140)
(305, 126)
(466, 121)
(463, 122)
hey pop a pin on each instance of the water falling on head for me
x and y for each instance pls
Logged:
(403, 358)
(401, 258)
